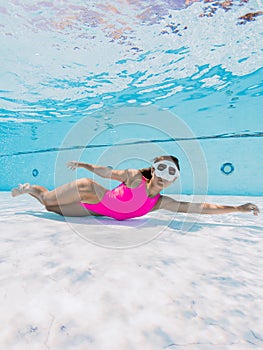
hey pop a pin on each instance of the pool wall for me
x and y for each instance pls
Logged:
(220, 149)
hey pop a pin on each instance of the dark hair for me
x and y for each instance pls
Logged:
(146, 172)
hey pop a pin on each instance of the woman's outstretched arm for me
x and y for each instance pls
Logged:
(203, 208)
(103, 171)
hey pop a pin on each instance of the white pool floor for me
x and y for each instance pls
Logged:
(165, 281)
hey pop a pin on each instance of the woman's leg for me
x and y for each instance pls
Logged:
(74, 209)
(76, 191)
(34, 191)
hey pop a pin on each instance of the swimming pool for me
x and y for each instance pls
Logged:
(119, 83)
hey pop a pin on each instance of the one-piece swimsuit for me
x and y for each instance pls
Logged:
(123, 202)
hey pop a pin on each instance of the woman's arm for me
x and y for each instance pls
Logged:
(103, 171)
(203, 208)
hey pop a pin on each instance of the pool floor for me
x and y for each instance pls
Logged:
(165, 281)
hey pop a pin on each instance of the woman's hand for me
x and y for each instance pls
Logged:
(73, 165)
(248, 207)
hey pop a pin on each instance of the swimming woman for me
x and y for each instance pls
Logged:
(137, 195)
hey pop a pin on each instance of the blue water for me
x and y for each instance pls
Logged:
(121, 82)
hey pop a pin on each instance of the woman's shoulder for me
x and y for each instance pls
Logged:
(133, 176)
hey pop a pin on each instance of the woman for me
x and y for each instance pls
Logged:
(138, 193)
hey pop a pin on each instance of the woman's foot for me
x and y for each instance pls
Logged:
(20, 189)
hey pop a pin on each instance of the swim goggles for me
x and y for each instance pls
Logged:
(166, 170)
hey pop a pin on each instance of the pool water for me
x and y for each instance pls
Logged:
(118, 83)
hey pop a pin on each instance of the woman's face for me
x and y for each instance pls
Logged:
(164, 173)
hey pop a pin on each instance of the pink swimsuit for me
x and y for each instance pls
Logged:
(123, 202)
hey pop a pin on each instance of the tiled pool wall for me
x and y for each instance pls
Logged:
(219, 148)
